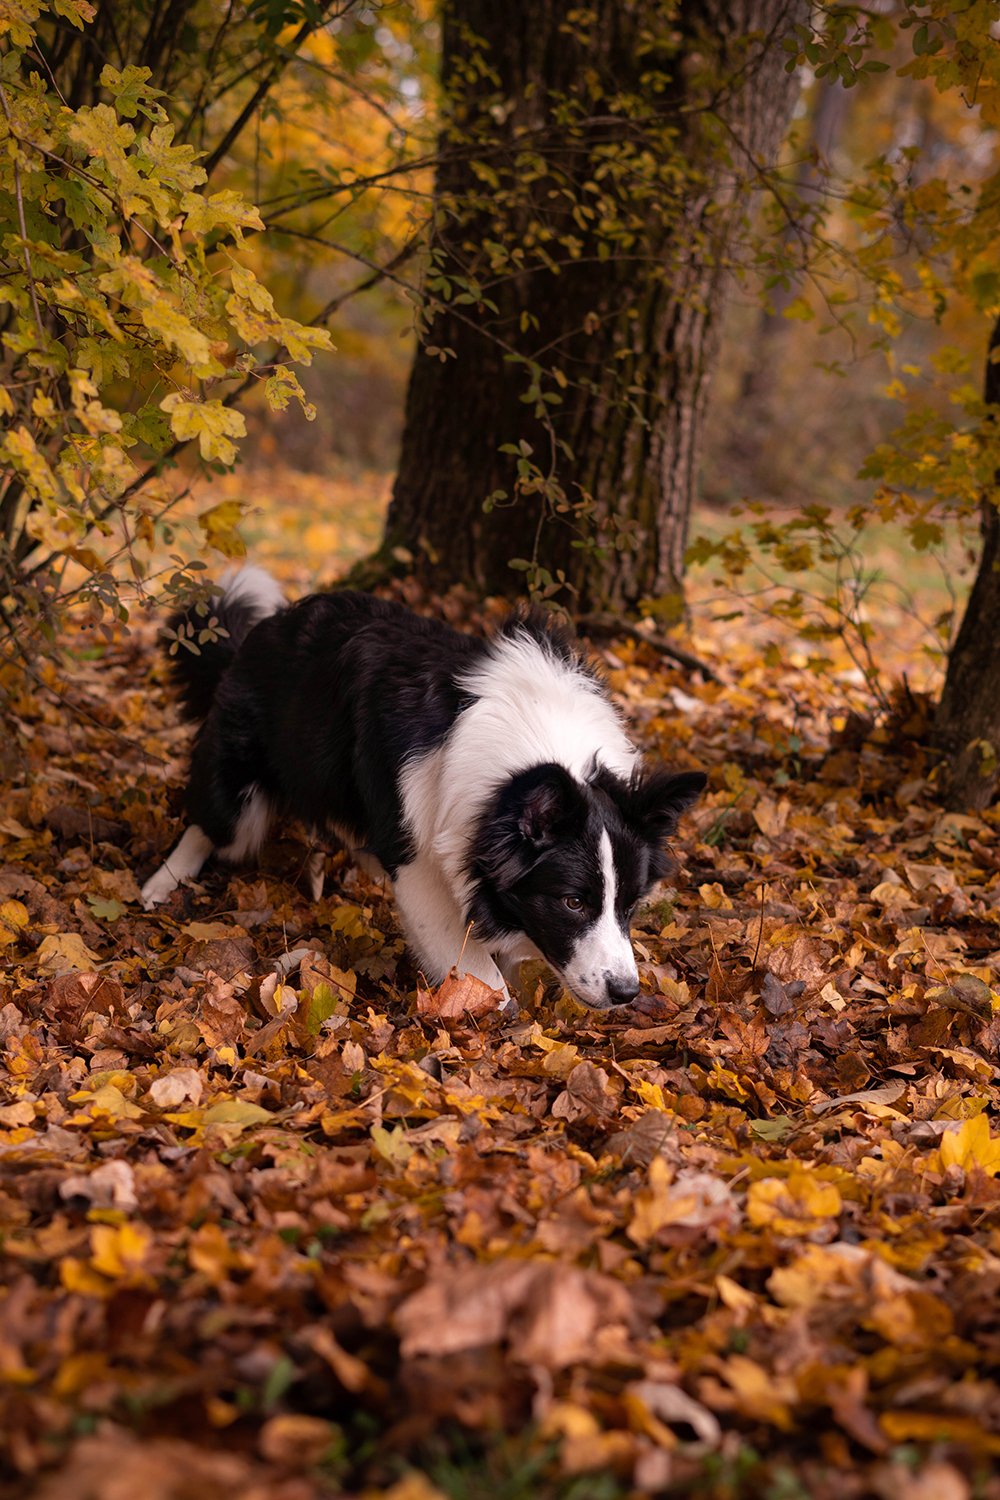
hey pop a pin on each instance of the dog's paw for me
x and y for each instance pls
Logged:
(158, 888)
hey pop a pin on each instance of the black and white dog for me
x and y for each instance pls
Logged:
(491, 780)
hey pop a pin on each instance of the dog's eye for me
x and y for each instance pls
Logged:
(573, 902)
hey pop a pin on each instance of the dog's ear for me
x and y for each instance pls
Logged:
(653, 801)
(529, 813)
(547, 804)
(659, 799)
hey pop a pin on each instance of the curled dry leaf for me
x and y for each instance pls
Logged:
(587, 1095)
(76, 994)
(111, 1185)
(458, 996)
(173, 1088)
(673, 1407)
(548, 1314)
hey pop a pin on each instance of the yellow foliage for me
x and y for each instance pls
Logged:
(799, 1204)
(971, 1146)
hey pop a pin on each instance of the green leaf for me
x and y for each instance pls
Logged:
(320, 1006)
(130, 90)
(105, 910)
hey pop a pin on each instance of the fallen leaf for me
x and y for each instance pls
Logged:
(64, 952)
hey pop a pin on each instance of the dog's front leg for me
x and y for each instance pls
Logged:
(436, 929)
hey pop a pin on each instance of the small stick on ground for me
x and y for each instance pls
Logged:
(606, 627)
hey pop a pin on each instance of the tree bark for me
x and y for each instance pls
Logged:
(615, 336)
(967, 725)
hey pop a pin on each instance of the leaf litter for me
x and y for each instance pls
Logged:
(278, 1220)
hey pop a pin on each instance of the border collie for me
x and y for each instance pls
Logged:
(491, 780)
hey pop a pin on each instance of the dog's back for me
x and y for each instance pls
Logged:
(316, 712)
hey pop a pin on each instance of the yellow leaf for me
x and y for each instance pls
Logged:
(392, 1144)
(66, 953)
(211, 422)
(650, 1093)
(971, 1145)
(120, 1250)
(14, 914)
(13, 920)
(691, 1201)
(219, 525)
(108, 1101)
(928, 1427)
(119, 1254)
(799, 311)
(80, 1277)
(211, 1253)
(236, 1112)
(796, 1205)
(561, 1060)
(714, 897)
(79, 1371)
(567, 1419)
(759, 1393)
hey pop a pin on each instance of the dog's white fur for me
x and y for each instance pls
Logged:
(530, 707)
(605, 947)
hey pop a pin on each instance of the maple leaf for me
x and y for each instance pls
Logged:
(214, 425)
(971, 1146)
(799, 1204)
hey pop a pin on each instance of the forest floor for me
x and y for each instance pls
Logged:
(279, 1223)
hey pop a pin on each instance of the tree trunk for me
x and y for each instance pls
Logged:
(616, 166)
(968, 717)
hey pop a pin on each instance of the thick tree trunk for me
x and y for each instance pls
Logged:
(968, 716)
(619, 331)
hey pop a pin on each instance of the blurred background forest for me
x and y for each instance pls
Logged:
(799, 403)
(800, 400)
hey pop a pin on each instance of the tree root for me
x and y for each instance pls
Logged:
(606, 627)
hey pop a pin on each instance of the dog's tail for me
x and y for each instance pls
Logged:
(203, 639)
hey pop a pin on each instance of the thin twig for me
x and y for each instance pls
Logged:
(606, 627)
(22, 223)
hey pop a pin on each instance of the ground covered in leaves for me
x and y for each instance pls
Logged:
(276, 1222)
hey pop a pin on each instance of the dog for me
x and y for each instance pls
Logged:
(491, 780)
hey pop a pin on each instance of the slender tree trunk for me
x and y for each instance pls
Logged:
(828, 114)
(595, 346)
(968, 716)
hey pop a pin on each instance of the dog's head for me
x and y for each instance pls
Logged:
(563, 863)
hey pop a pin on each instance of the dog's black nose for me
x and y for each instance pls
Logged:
(624, 989)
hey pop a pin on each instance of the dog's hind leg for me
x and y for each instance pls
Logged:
(248, 830)
(315, 870)
(251, 826)
(183, 864)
